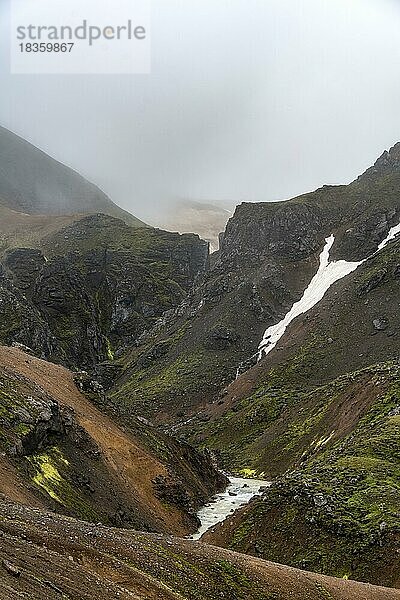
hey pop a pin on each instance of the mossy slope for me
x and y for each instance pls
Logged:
(324, 409)
(89, 291)
(268, 255)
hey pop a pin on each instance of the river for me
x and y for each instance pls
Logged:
(238, 493)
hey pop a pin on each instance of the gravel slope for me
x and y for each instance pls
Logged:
(44, 556)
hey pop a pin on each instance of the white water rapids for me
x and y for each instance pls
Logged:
(327, 274)
(238, 493)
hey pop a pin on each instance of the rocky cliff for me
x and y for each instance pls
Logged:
(92, 289)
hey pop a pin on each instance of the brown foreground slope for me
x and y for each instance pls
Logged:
(46, 557)
(60, 450)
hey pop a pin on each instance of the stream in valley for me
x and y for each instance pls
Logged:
(239, 492)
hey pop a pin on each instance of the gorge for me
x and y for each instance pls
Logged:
(120, 412)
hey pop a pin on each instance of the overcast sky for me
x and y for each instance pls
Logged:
(247, 100)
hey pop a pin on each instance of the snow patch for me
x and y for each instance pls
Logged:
(391, 235)
(328, 273)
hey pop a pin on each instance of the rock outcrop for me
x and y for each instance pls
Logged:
(94, 288)
(57, 449)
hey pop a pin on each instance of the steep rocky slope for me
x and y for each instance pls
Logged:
(59, 451)
(268, 255)
(89, 290)
(325, 406)
(355, 327)
(32, 182)
(44, 556)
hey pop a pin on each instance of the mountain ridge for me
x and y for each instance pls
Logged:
(269, 254)
(33, 182)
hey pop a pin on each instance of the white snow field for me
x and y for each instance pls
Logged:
(327, 274)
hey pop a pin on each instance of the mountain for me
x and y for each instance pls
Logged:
(60, 452)
(32, 182)
(83, 293)
(126, 347)
(269, 254)
(319, 413)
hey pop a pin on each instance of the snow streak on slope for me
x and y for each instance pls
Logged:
(327, 274)
(392, 234)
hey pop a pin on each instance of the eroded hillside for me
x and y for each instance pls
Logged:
(60, 451)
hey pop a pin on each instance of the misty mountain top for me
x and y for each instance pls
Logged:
(32, 182)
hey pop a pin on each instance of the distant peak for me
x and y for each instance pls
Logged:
(389, 156)
(395, 150)
(387, 162)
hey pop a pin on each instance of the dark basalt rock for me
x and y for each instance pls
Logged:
(287, 230)
(157, 352)
(23, 265)
(32, 423)
(90, 387)
(388, 162)
(11, 568)
(172, 491)
(80, 305)
(375, 281)
(221, 338)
